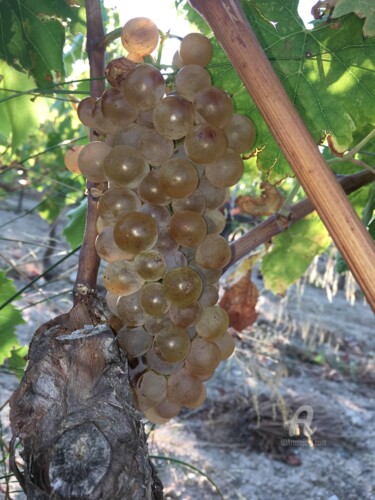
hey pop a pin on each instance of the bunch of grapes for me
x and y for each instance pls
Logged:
(169, 157)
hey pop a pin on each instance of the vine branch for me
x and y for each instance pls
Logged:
(88, 262)
(318, 181)
(279, 223)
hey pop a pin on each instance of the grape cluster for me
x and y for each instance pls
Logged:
(169, 157)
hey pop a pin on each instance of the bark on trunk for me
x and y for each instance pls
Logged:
(74, 417)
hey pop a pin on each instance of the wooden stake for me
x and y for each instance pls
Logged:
(237, 38)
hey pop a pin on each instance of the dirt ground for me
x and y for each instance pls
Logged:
(303, 350)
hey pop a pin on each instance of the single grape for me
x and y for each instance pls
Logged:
(91, 160)
(165, 244)
(241, 133)
(154, 362)
(155, 148)
(213, 253)
(178, 178)
(195, 202)
(111, 301)
(135, 232)
(225, 172)
(191, 79)
(155, 324)
(117, 109)
(226, 345)
(168, 409)
(134, 341)
(185, 316)
(102, 124)
(203, 358)
(214, 323)
(140, 36)
(129, 309)
(154, 300)
(176, 60)
(153, 416)
(150, 265)
(183, 388)
(144, 86)
(187, 228)
(183, 286)
(215, 220)
(120, 278)
(198, 401)
(84, 111)
(125, 166)
(145, 118)
(175, 259)
(150, 191)
(195, 49)
(160, 214)
(214, 197)
(107, 248)
(130, 136)
(71, 159)
(205, 144)
(116, 201)
(151, 390)
(173, 117)
(215, 106)
(172, 344)
(209, 276)
(209, 297)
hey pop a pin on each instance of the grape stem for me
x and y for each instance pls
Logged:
(232, 29)
(88, 261)
(279, 223)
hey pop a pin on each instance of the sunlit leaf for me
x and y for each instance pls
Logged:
(21, 116)
(292, 252)
(16, 362)
(32, 36)
(10, 317)
(362, 8)
(74, 231)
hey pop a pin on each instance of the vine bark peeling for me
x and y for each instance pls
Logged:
(248, 58)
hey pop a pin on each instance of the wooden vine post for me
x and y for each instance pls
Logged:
(231, 28)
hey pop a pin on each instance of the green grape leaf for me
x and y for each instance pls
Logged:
(32, 36)
(369, 210)
(328, 73)
(14, 127)
(10, 317)
(16, 362)
(362, 8)
(292, 252)
(75, 230)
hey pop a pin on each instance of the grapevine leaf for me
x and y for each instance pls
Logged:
(369, 210)
(13, 126)
(292, 252)
(32, 36)
(16, 362)
(328, 73)
(74, 231)
(10, 317)
(362, 8)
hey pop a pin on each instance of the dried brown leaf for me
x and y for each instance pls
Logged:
(268, 203)
(239, 301)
